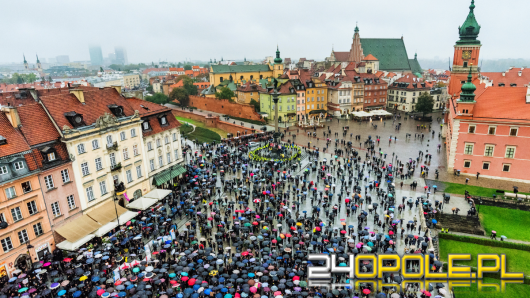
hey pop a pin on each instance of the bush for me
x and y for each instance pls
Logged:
(246, 120)
(487, 242)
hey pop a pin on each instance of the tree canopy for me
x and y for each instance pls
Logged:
(256, 105)
(181, 95)
(17, 78)
(225, 93)
(159, 98)
(187, 67)
(425, 103)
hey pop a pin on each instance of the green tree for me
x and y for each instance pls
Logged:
(256, 105)
(425, 103)
(50, 79)
(149, 88)
(181, 95)
(187, 67)
(101, 69)
(159, 98)
(188, 86)
(225, 93)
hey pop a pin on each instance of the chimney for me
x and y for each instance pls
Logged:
(520, 73)
(528, 94)
(79, 94)
(117, 87)
(12, 115)
(503, 74)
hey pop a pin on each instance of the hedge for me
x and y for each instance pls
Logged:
(487, 242)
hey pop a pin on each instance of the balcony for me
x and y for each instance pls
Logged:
(115, 167)
(112, 146)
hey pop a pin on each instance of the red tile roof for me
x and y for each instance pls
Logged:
(154, 110)
(36, 125)
(370, 57)
(15, 141)
(411, 80)
(502, 102)
(341, 56)
(511, 77)
(95, 105)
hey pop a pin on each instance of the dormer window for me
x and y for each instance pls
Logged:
(3, 140)
(48, 154)
(116, 110)
(75, 119)
(145, 126)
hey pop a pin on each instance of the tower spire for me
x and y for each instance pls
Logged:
(24, 59)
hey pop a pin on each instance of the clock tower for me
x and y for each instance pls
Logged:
(466, 52)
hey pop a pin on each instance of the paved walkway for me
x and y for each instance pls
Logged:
(488, 237)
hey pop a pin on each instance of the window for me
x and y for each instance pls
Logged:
(163, 121)
(26, 187)
(3, 170)
(135, 150)
(174, 137)
(50, 156)
(125, 153)
(128, 173)
(145, 125)
(489, 150)
(16, 213)
(467, 163)
(510, 152)
(471, 129)
(89, 194)
(103, 187)
(7, 245)
(133, 132)
(112, 157)
(84, 169)
(160, 161)
(81, 148)
(65, 175)
(23, 236)
(139, 171)
(152, 164)
(10, 192)
(149, 146)
(56, 209)
(19, 165)
(486, 166)
(513, 131)
(506, 167)
(176, 154)
(166, 140)
(491, 130)
(95, 144)
(71, 202)
(99, 165)
(32, 207)
(168, 157)
(37, 228)
(122, 135)
(109, 140)
(158, 143)
(468, 149)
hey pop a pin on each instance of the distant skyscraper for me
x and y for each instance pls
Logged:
(96, 55)
(121, 56)
(63, 59)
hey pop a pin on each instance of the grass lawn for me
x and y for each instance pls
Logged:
(507, 222)
(186, 128)
(518, 260)
(204, 135)
(220, 132)
(460, 189)
(512, 290)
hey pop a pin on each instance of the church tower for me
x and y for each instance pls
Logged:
(466, 52)
(39, 66)
(356, 51)
(277, 70)
(26, 66)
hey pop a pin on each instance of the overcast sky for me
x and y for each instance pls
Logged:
(199, 30)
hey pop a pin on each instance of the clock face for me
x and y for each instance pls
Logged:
(466, 55)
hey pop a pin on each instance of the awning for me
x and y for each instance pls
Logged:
(106, 212)
(67, 245)
(78, 228)
(105, 229)
(142, 203)
(158, 194)
(168, 174)
(125, 217)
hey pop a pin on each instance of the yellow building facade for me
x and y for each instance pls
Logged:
(316, 97)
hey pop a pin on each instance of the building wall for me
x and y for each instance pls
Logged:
(300, 103)
(246, 96)
(500, 141)
(316, 98)
(375, 96)
(225, 107)
(130, 81)
(59, 194)
(163, 150)
(215, 78)
(286, 105)
(357, 97)
(8, 258)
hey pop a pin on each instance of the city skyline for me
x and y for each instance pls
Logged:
(257, 38)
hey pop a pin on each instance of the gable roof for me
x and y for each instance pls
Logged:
(511, 76)
(391, 52)
(239, 68)
(154, 109)
(370, 57)
(341, 56)
(15, 141)
(36, 125)
(96, 105)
